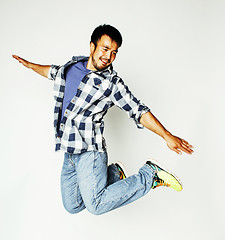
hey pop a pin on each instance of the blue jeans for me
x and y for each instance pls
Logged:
(88, 182)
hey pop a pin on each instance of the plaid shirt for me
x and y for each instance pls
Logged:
(81, 128)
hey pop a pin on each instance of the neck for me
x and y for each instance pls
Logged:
(90, 64)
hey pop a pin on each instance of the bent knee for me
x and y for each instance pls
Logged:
(73, 209)
(96, 209)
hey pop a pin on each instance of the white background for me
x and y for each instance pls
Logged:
(172, 58)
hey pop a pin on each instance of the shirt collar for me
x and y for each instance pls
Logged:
(109, 69)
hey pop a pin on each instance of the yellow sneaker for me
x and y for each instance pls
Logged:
(121, 170)
(164, 177)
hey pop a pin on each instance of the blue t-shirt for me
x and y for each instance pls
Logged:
(74, 75)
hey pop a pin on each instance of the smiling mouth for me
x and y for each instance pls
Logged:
(104, 62)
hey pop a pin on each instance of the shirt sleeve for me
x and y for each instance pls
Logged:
(53, 72)
(125, 100)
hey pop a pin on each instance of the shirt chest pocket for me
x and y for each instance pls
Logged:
(97, 83)
(100, 84)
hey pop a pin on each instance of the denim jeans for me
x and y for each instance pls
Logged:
(88, 182)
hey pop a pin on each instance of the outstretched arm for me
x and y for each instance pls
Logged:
(174, 143)
(40, 69)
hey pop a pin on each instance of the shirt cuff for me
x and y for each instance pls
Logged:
(52, 72)
(139, 125)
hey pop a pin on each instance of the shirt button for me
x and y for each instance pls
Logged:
(61, 125)
(65, 112)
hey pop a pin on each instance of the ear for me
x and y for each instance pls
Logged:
(92, 47)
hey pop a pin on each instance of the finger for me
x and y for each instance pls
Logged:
(177, 151)
(186, 143)
(15, 56)
(21, 60)
(18, 58)
(188, 146)
(186, 149)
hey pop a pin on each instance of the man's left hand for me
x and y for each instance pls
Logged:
(176, 144)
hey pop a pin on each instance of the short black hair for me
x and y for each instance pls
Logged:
(108, 30)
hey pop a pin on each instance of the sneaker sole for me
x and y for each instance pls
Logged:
(171, 173)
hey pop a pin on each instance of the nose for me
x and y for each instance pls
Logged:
(108, 55)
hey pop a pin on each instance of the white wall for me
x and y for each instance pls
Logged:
(172, 59)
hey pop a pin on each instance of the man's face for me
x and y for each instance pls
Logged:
(103, 54)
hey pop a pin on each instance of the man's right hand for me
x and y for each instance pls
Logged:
(40, 69)
(23, 61)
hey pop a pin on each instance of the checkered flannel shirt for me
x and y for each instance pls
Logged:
(81, 128)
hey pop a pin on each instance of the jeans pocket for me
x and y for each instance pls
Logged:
(100, 159)
(70, 160)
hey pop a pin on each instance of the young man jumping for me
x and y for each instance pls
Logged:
(84, 89)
